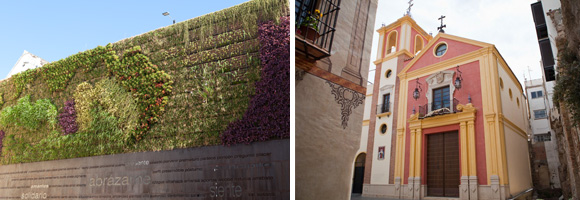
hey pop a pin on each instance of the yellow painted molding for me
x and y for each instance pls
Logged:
(443, 35)
(450, 63)
(368, 95)
(471, 149)
(393, 55)
(366, 122)
(513, 126)
(463, 153)
(400, 131)
(400, 22)
(384, 114)
(412, 153)
(441, 120)
(435, 49)
(418, 145)
(417, 39)
(465, 119)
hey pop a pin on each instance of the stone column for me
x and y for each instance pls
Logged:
(472, 161)
(464, 185)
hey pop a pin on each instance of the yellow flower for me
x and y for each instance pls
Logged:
(317, 13)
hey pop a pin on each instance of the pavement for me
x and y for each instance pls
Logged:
(359, 197)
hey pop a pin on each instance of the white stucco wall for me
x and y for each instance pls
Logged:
(26, 61)
(518, 163)
(381, 168)
(510, 108)
(516, 144)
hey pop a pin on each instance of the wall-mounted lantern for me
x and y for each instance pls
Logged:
(458, 79)
(418, 90)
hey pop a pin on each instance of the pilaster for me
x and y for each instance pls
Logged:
(495, 187)
(464, 188)
(473, 191)
(410, 188)
(398, 187)
(417, 188)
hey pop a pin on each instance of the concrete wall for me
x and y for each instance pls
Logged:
(211, 172)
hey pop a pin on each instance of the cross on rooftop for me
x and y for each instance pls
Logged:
(409, 8)
(440, 28)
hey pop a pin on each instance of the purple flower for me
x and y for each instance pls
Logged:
(268, 114)
(67, 118)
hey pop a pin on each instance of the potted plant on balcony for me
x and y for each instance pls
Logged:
(309, 27)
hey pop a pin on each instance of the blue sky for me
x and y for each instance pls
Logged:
(54, 30)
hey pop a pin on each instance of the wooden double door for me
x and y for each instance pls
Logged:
(443, 174)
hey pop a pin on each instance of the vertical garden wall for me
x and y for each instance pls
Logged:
(222, 78)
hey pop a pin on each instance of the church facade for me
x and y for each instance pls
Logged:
(447, 118)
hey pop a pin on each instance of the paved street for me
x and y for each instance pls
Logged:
(359, 197)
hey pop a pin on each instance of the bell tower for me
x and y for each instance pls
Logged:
(398, 44)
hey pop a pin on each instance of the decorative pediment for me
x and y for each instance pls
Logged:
(437, 80)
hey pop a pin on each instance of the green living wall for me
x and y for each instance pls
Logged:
(175, 87)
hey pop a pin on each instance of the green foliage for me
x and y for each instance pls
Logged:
(29, 115)
(1, 100)
(110, 96)
(148, 84)
(22, 79)
(102, 138)
(174, 87)
(568, 82)
(85, 97)
(58, 74)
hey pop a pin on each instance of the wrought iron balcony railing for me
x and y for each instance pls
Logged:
(424, 110)
(384, 108)
(315, 27)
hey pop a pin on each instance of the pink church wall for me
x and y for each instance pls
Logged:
(471, 85)
(454, 49)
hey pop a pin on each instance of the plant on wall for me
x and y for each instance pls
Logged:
(566, 89)
(67, 118)
(22, 79)
(85, 96)
(29, 115)
(118, 102)
(175, 87)
(149, 85)
(268, 115)
(2, 134)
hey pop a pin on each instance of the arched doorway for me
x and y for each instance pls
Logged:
(359, 172)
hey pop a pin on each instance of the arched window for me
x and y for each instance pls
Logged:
(418, 44)
(392, 42)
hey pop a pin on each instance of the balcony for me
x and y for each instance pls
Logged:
(315, 32)
(383, 110)
(424, 110)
